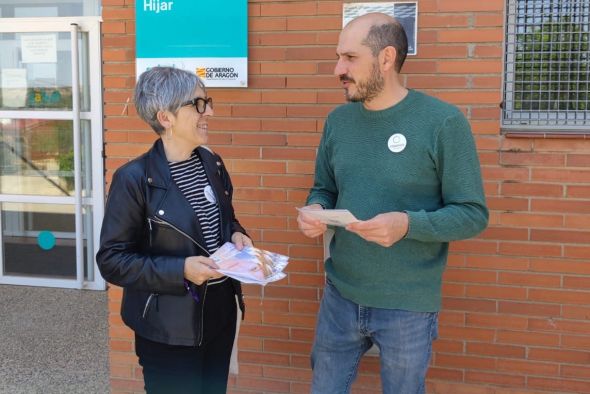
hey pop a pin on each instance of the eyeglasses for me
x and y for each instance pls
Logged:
(200, 104)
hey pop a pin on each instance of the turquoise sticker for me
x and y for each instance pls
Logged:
(46, 240)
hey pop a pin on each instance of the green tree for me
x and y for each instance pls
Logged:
(552, 66)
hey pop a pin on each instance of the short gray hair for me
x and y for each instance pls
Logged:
(163, 89)
(385, 35)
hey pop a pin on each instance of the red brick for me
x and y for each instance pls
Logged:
(560, 297)
(577, 252)
(496, 321)
(527, 338)
(578, 191)
(469, 6)
(126, 384)
(575, 371)
(529, 249)
(498, 262)
(528, 308)
(298, 68)
(528, 367)
(465, 304)
(581, 283)
(495, 378)
(471, 35)
(560, 266)
(485, 82)
(467, 333)
(558, 355)
(444, 374)
(448, 346)
(576, 312)
(529, 220)
(561, 175)
(111, 13)
(314, 23)
(467, 362)
(496, 292)
(555, 385)
(256, 24)
(110, 27)
(444, 20)
(559, 325)
(527, 279)
(468, 97)
(489, 51)
(286, 39)
(469, 275)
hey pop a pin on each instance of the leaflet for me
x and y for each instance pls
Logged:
(250, 265)
(334, 217)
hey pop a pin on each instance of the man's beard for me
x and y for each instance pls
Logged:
(368, 89)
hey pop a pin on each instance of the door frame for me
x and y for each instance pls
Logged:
(92, 26)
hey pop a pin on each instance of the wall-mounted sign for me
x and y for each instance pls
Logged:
(13, 83)
(39, 48)
(405, 12)
(207, 38)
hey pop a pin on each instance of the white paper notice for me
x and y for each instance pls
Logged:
(39, 48)
(14, 87)
(333, 217)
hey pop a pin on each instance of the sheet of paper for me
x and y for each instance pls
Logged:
(333, 217)
(39, 48)
(14, 87)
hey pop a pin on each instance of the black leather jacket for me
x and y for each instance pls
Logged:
(147, 231)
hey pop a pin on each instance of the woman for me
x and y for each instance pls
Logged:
(167, 211)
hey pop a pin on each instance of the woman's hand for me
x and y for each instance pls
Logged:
(240, 240)
(199, 269)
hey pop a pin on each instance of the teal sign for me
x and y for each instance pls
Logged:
(209, 38)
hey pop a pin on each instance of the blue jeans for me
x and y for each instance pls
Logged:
(346, 330)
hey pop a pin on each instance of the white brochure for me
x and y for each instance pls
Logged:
(333, 217)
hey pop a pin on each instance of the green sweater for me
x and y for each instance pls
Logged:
(435, 178)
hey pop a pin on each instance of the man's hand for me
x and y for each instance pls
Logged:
(309, 226)
(384, 229)
(199, 269)
(240, 240)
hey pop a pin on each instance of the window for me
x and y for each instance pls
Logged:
(547, 66)
(48, 8)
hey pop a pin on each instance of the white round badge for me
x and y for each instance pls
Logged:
(397, 143)
(209, 195)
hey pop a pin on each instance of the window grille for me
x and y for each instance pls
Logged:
(547, 65)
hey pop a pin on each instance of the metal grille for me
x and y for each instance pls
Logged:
(547, 70)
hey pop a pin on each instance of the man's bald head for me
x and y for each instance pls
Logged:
(370, 19)
(380, 31)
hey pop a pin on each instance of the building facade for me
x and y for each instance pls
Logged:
(516, 305)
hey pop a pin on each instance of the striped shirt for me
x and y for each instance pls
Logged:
(190, 177)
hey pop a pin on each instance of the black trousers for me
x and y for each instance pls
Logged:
(169, 369)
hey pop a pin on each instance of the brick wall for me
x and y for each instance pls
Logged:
(516, 304)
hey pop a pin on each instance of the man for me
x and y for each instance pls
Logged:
(406, 166)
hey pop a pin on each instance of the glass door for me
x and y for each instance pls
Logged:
(51, 166)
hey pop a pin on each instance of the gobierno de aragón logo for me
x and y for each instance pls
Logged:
(217, 73)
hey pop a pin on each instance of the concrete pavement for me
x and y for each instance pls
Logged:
(53, 341)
